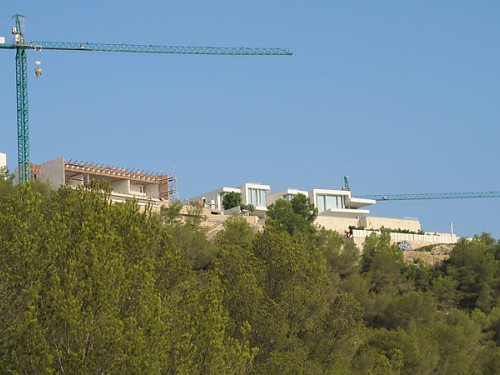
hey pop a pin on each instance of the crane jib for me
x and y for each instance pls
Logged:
(145, 48)
(422, 196)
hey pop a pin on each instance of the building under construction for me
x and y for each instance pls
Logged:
(147, 188)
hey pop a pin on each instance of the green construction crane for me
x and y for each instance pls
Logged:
(24, 171)
(423, 196)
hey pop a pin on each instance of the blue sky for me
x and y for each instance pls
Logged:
(401, 96)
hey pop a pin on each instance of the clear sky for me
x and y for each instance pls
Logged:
(403, 96)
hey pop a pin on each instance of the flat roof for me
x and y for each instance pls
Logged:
(110, 171)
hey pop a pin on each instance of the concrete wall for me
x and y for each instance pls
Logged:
(420, 240)
(142, 202)
(53, 172)
(153, 191)
(416, 240)
(341, 225)
(370, 222)
(121, 186)
(76, 181)
(337, 224)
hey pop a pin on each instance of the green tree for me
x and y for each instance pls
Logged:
(302, 206)
(88, 286)
(294, 216)
(231, 200)
(6, 183)
(413, 307)
(342, 256)
(172, 213)
(189, 235)
(457, 337)
(420, 274)
(253, 313)
(383, 264)
(322, 323)
(473, 265)
(236, 232)
(445, 289)
(202, 345)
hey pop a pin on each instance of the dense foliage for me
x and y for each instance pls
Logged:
(231, 200)
(92, 287)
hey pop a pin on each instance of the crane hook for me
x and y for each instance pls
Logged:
(38, 68)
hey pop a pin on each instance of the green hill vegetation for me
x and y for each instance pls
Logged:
(90, 287)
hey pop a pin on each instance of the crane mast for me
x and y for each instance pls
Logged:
(19, 44)
(23, 149)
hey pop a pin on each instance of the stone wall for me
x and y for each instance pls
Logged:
(337, 224)
(370, 222)
(416, 240)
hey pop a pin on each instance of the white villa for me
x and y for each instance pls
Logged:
(337, 210)
(331, 203)
(337, 203)
(251, 193)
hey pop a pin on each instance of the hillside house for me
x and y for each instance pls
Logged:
(251, 193)
(146, 188)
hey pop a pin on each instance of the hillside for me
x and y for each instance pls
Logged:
(431, 255)
(87, 286)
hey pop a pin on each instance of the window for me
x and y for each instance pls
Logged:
(288, 197)
(329, 202)
(320, 202)
(256, 197)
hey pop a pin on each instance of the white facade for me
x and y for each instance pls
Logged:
(335, 203)
(339, 203)
(3, 160)
(331, 203)
(213, 200)
(251, 193)
(256, 195)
